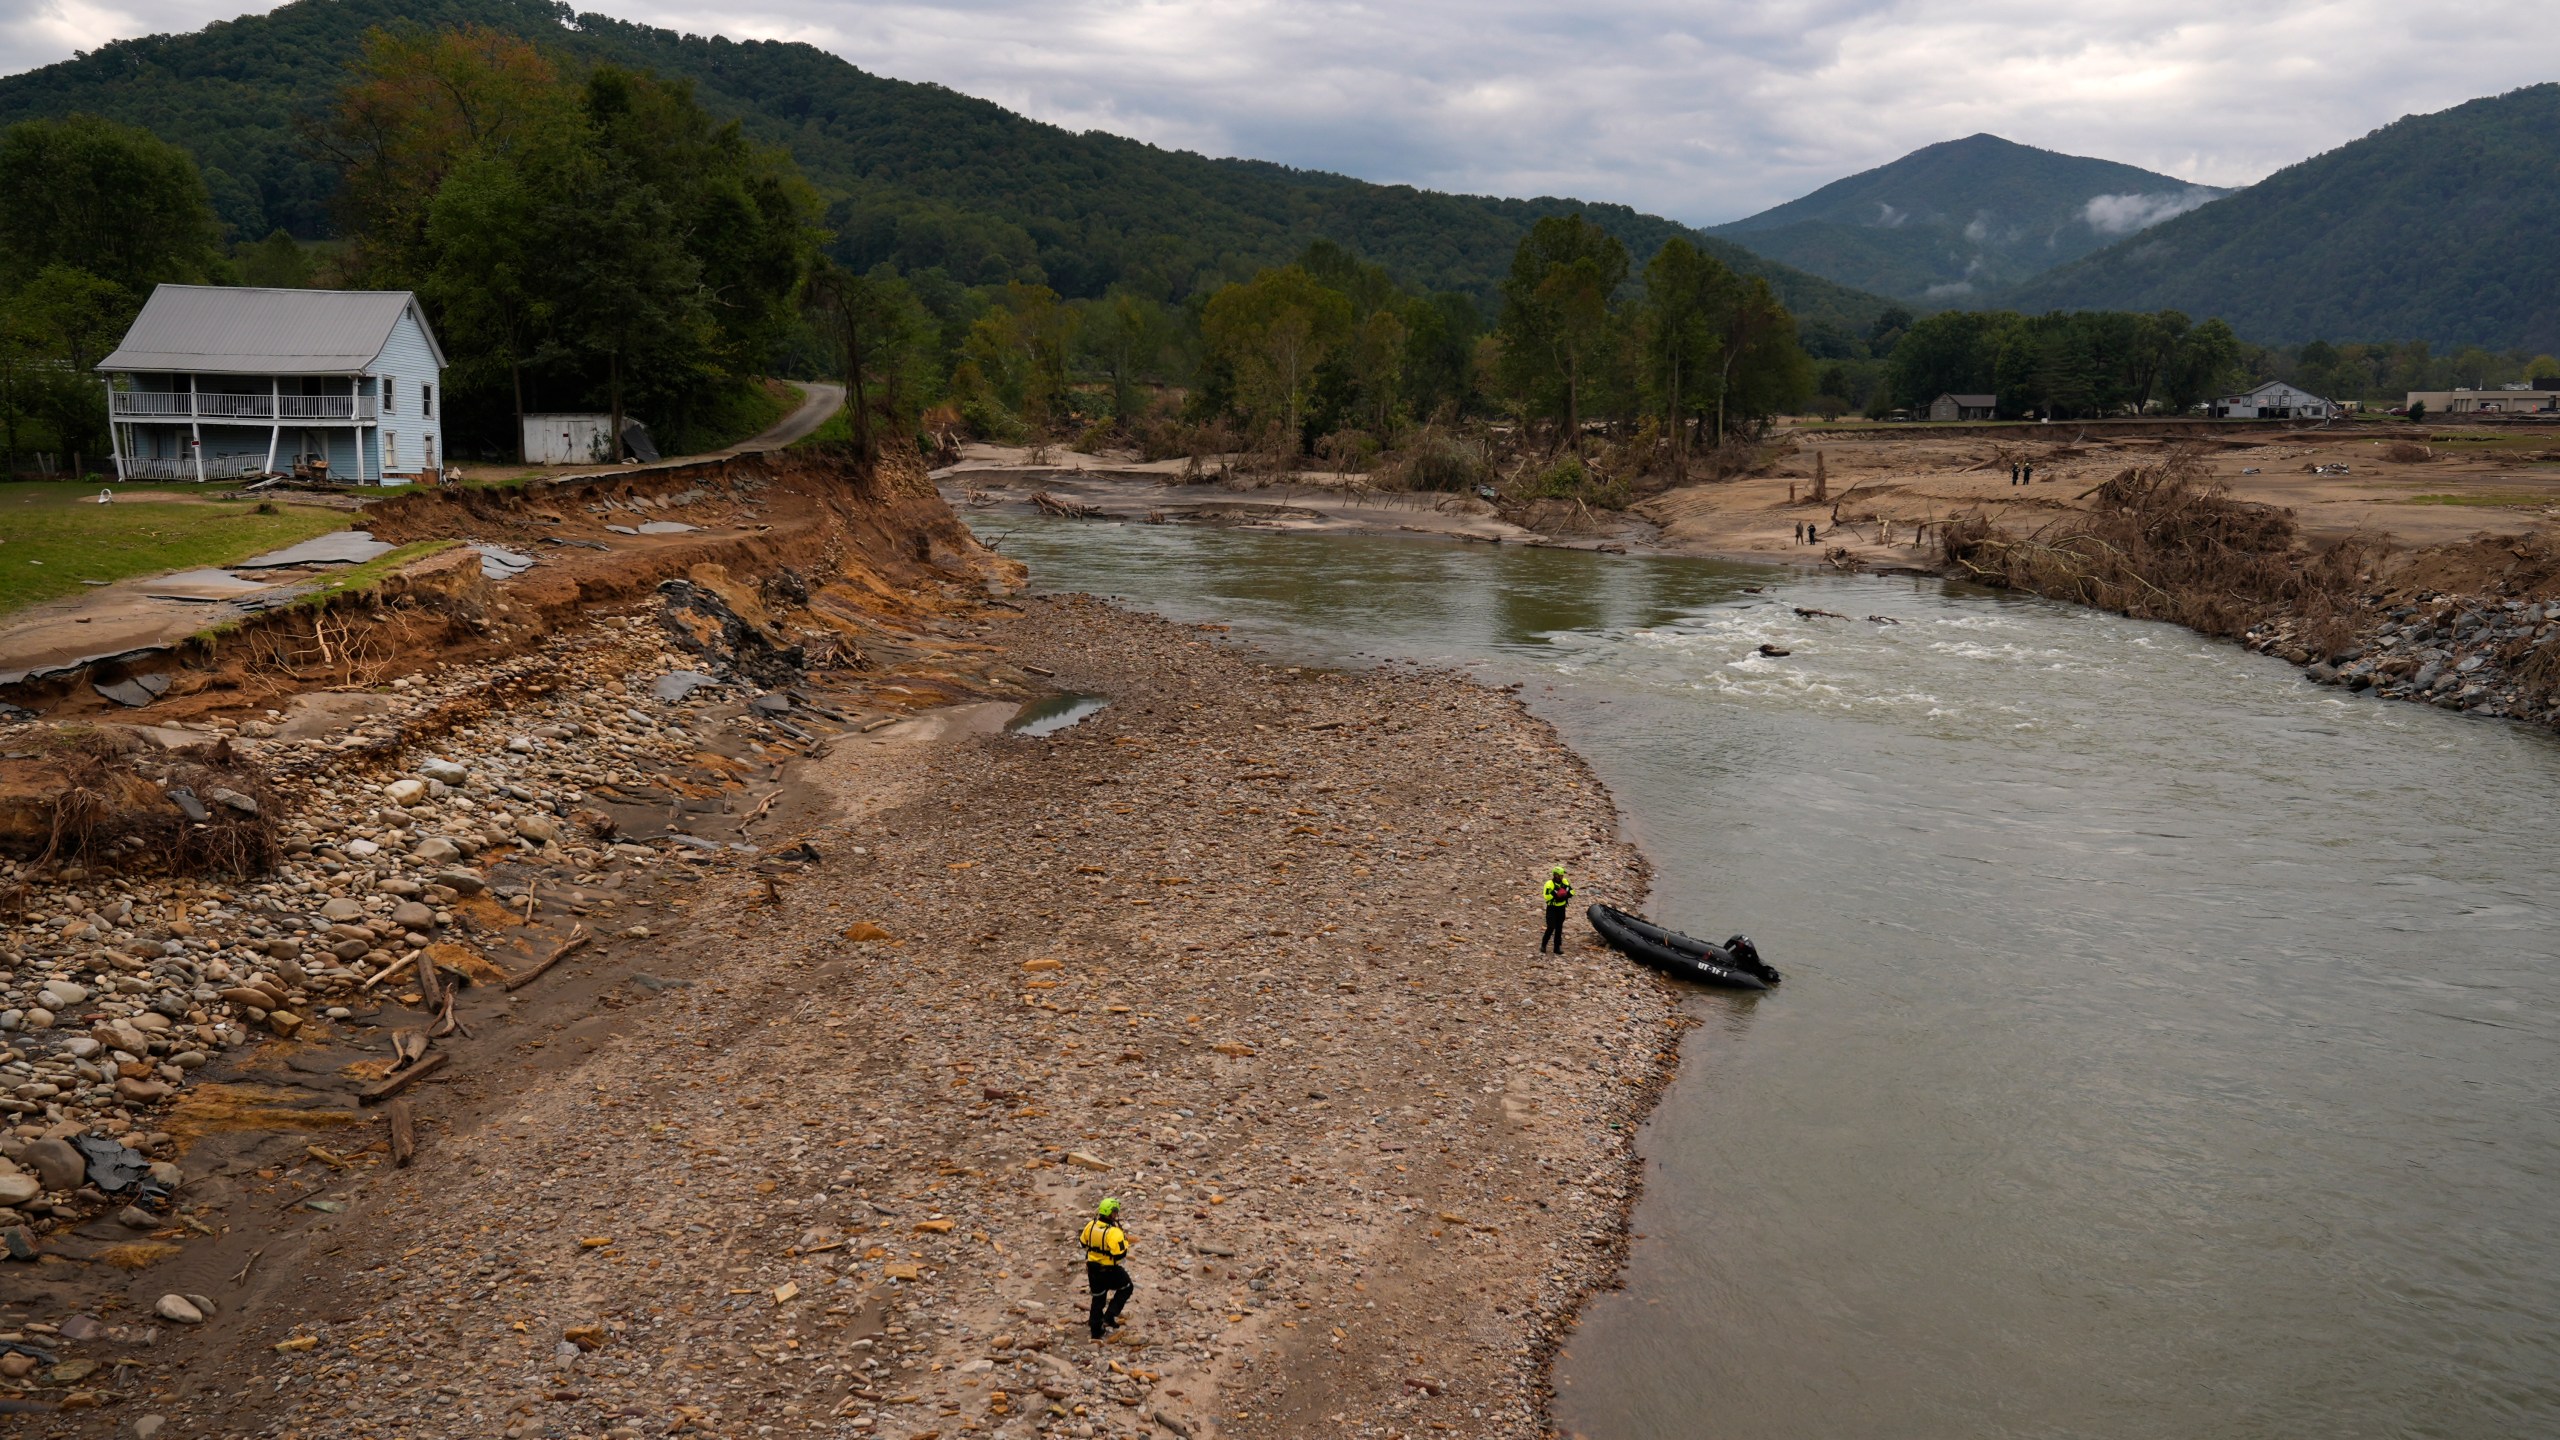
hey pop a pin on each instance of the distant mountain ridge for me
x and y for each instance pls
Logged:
(2436, 227)
(917, 174)
(1950, 223)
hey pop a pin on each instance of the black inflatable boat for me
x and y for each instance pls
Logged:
(1735, 965)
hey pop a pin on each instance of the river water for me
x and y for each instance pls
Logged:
(2168, 1045)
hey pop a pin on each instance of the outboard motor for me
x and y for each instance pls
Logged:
(1746, 956)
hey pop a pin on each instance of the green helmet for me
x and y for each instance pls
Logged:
(1107, 1208)
(1559, 870)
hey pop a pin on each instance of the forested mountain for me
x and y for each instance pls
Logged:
(2436, 227)
(1950, 222)
(916, 174)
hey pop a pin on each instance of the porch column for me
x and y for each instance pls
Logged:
(275, 434)
(195, 428)
(115, 438)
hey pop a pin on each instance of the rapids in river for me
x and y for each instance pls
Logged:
(2168, 1045)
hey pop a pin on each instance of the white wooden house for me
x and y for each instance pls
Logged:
(2275, 400)
(1964, 407)
(216, 382)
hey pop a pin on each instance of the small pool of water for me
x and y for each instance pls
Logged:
(1048, 717)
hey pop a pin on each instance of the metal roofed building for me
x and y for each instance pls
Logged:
(1964, 407)
(2275, 400)
(215, 382)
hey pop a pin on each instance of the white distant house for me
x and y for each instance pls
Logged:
(1963, 407)
(216, 382)
(2275, 400)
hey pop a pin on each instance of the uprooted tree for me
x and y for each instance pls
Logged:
(2167, 542)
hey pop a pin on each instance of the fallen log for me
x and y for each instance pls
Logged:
(404, 1135)
(1049, 504)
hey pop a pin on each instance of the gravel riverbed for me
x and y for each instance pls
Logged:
(1250, 948)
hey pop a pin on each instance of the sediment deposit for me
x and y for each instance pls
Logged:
(795, 1138)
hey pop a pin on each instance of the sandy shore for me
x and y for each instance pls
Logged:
(1250, 949)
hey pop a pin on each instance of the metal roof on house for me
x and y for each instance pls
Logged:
(232, 330)
(1973, 402)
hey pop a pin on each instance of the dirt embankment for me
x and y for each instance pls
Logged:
(593, 542)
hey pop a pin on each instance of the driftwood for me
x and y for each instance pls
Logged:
(430, 984)
(577, 938)
(387, 971)
(1049, 504)
(404, 1135)
(1808, 614)
(445, 1024)
(398, 1081)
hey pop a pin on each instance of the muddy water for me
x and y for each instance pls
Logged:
(2168, 1047)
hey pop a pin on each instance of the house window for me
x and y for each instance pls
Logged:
(426, 399)
(390, 396)
(390, 448)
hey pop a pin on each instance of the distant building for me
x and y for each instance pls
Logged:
(2274, 400)
(1963, 407)
(2542, 397)
(216, 382)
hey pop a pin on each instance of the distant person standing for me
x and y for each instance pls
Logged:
(1559, 896)
(2028, 476)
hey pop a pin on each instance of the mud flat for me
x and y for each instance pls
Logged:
(803, 1150)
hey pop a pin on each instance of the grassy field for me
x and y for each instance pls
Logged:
(54, 535)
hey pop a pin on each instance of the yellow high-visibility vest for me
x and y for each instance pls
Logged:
(1559, 890)
(1103, 1242)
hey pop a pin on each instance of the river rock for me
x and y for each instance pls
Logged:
(61, 995)
(343, 909)
(412, 915)
(232, 800)
(541, 829)
(405, 792)
(435, 850)
(55, 1163)
(444, 770)
(461, 882)
(17, 1187)
(178, 1310)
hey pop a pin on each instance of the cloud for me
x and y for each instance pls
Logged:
(1706, 110)
(2124, 214)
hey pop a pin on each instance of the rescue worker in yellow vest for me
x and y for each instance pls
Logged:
(1105, 1245)
(1559, 895)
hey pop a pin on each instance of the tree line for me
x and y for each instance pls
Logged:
(2064, 365)
(1328, 354)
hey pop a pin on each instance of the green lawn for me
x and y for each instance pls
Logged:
(53, 535)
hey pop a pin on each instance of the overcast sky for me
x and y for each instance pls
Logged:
(1705, 110)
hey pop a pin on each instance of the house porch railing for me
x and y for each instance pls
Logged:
(211, 405)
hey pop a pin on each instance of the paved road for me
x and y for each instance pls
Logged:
(819, 399)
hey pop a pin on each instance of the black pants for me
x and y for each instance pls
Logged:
(1555, 930)
(1111, 1287)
